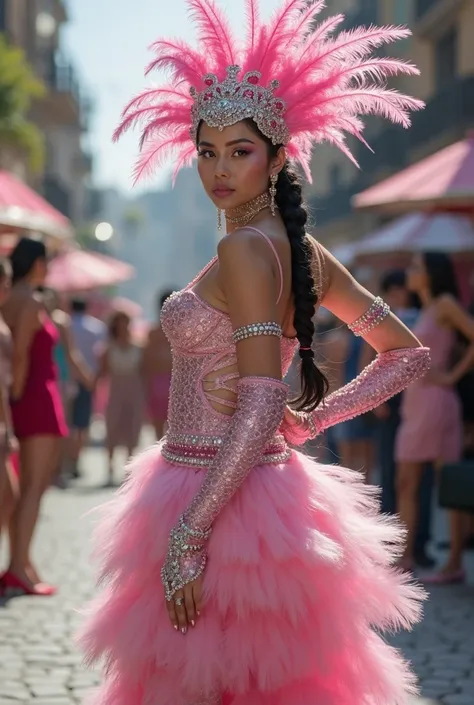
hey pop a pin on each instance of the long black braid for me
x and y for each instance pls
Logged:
(314, 384)
(289, 199)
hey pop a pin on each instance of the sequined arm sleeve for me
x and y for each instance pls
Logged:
(260, 407)
(389, 374)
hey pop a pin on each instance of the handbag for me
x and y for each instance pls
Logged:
(456, 486)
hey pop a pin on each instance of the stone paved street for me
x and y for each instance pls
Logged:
(38, 662)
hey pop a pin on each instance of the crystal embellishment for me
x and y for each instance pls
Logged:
(373, 317)
(253, 329)
(223, 104)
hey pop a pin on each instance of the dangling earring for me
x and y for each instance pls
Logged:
(273, 179)
(219, 219)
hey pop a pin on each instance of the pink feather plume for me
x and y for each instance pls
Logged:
(328, 81)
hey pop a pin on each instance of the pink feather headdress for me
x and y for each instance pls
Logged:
(300, 82)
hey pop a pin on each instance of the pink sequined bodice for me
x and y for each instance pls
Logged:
(202, 345)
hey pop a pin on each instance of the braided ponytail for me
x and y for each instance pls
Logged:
(314, 384)
(289, 200)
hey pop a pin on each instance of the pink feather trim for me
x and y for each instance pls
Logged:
(327, 80)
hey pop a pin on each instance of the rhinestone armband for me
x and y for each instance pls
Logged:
(377, 312)
(253, 329)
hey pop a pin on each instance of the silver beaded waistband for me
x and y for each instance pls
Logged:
(199, 451)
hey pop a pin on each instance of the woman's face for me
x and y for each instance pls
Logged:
(417, 276)
(234, 165)
(39, 272)
(122, 327)
(5, 286)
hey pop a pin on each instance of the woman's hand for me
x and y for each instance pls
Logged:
(186, 606)
(293, 428)
(439, 378)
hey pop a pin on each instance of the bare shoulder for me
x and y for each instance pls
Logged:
(446, 304)
(30, 308)
(243, 251)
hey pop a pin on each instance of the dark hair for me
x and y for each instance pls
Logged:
(289, 199)
(394, 279)
(78, 305)
(442, 277)
(5, 268)
(162, 296)
(114, 321)
(24, 256)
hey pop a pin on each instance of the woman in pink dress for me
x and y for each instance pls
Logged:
(276, 570)
(121, 363)
(431, 429)
(36, 407)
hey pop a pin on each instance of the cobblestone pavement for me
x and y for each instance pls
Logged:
(38, 662)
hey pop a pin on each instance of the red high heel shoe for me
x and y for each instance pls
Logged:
(12, 586)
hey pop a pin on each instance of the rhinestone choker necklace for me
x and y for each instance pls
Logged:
(242, 215)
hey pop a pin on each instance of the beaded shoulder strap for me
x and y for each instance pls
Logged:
(202, 273)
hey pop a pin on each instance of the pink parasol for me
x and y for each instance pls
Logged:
(103, 306)
(418, 232)
(442, 182)
(82, 270)
(21, 208)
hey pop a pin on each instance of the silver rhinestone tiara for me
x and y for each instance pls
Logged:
(223, 104)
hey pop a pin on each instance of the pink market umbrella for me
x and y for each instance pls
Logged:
(21, 208)
(82, 270)
(419, 232)
(103, 306)
(442, 182)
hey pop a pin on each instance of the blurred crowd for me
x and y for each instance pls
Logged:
(406, 444)
(62, 369)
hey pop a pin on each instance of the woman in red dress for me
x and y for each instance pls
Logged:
(37, 412)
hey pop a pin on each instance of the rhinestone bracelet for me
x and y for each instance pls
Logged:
(249, 331)
(377, 312)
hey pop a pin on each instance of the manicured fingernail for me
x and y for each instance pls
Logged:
(198, 613)
(193, 624)
(175, 626)
(183, 630)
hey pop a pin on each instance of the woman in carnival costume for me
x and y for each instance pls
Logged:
(235, 569)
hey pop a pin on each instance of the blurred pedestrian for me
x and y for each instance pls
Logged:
(73, 370)
(431, 429)
(157, 369)
(354, 439)
(393, 288)
(8, 443)
(88, 335)
(37, 411)
(122, 363)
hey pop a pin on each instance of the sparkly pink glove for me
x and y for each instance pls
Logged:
(389, 374)
(260, 406)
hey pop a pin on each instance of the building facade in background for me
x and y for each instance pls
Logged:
(62, 115)
(442, 47)
(167, 235)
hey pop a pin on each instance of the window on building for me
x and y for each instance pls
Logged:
(446, 51)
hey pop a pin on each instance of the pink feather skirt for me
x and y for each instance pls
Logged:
(298, 589)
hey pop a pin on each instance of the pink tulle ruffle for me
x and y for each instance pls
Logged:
(299, 582)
